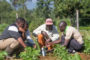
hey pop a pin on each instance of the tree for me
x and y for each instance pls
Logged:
(43, 8)
(67, 8)
(6, 12)
(18, 4)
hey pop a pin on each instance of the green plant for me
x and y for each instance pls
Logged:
(2, 54)
(87, 46)
(36, 23)
(62, 54)
(84, 28)
(86, 38)
(2, 27)
(30, 54)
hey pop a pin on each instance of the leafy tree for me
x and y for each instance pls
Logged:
(6, 12)
(43, 8)
(67, 8)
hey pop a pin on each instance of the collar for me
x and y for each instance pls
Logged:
(65, 29)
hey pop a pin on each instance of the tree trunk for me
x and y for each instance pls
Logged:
(77, 19)
(16, 15)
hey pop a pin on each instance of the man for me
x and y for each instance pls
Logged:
(71, 38)
(49, 32)
(11, 37)
(26, 36)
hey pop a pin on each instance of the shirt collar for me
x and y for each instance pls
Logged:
(65, 29)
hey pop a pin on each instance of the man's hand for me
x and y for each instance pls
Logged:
(63, 45)
(66, 43)
(21, 29)
(45, 34)
(34, 46)
(48, 40)
(49, 43)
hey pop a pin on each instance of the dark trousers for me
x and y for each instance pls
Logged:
(72, 45)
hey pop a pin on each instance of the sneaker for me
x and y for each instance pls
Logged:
(71, 51)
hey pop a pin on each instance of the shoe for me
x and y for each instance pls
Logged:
(71, 51)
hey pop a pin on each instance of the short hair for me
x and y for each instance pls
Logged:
(20, 20)
(62, 23)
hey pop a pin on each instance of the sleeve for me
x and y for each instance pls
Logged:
(13, 32)
(38, 30)
(28, 34)
(55, 34)
(29, 39)
(68, 34)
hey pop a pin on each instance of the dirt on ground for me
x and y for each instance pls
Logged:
(84, 56)
(48, 58)
(51, 57)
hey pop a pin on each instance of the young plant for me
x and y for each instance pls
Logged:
(2, 54)
(30, 54)
(62, 54)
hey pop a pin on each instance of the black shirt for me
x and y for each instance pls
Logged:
(10, 32)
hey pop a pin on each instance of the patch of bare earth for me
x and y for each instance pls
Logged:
(84, 56)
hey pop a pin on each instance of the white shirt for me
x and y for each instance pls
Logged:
(54, 35)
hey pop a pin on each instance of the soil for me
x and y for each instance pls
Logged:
(47, 58)
(84, 56)
(51, 57)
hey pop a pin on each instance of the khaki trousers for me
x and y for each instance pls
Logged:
(13, 43)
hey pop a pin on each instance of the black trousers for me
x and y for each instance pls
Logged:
(72, 45)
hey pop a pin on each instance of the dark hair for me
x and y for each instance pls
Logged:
(63, 23)
(20, 20)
